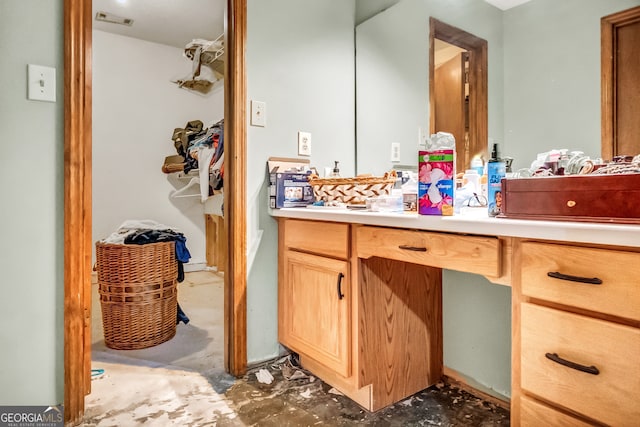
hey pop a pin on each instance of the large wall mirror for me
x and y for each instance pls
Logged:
(544, 76)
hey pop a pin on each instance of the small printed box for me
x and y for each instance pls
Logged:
(293, 190)
(410, 202)
(436, 182)
(288, 184)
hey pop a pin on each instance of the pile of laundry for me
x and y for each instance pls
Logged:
(140, 232)
(203, 149)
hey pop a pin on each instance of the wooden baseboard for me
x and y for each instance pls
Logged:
(456, 379)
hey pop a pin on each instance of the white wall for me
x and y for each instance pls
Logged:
(552, 76)
(31, 210)
(300, 62)
(135, 110)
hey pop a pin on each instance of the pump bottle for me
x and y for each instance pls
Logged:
(336, 171)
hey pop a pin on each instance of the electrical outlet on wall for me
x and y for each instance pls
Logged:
(422, 137)
(395, 151)
(304, 143)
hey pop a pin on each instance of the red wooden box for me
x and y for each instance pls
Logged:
(594, 198)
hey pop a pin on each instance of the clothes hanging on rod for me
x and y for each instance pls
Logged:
(203, 150)
(205, 154)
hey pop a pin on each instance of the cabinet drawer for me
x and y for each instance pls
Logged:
(609, 395)
(532, 412)
(618, 271)
(474, 254)
(323, 238)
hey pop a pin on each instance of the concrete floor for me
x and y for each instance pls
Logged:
(182, 383)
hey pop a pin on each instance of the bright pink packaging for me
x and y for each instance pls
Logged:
(436, 182)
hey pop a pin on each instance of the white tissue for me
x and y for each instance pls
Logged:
(264, 376)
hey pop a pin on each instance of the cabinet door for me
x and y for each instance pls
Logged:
(315, 317)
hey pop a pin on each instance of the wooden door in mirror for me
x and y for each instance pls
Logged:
(620, 38)
(472, 108)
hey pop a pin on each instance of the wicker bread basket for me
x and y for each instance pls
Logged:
(138, 294)
(353, 191)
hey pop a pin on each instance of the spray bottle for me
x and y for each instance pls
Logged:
(496, 170)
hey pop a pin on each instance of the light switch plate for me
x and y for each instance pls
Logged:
(41, 83)
(258, 113)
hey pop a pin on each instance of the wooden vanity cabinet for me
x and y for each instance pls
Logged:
(314, 293)
(368, 324)
(576, 343)
(362, 305)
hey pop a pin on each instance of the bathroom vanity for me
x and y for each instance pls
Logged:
(360, 299)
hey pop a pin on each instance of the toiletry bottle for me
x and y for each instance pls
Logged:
(476, 163)
(496, 170)
(471, 176)
(336, 171)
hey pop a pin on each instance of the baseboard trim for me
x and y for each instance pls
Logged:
(195, 266)
(467, 384)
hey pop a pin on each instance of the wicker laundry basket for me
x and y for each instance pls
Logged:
(138, 293)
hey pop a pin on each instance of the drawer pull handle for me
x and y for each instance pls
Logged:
(578, 367)
(339, 286)
(589, 280)
(413, 248)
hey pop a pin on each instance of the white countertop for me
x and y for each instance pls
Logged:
(478, 222)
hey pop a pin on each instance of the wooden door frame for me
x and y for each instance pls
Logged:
(608, 28)
(78, 243)
(478, 77)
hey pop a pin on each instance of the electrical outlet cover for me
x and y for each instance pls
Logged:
(304, 143)
(258, 113)
(395, 151)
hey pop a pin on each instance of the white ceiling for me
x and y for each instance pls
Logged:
(169, 22)
(177, 22)
(506, 4)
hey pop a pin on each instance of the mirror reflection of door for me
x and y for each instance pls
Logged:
(620, 50)
(452, 97)
(458, 90)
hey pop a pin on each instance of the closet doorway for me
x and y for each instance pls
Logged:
(78, 199)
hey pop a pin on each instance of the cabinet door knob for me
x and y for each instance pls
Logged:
(589, 280)
(573, 365)
(339, 286)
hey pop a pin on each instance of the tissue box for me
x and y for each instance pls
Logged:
(288, 185)
(390, 203)
(592, 198)
(436, 182)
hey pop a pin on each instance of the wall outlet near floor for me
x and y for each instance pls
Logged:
(304, 143)
(258, 113)
(395, 151)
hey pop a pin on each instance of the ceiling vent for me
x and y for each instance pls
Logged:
(113, 19)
